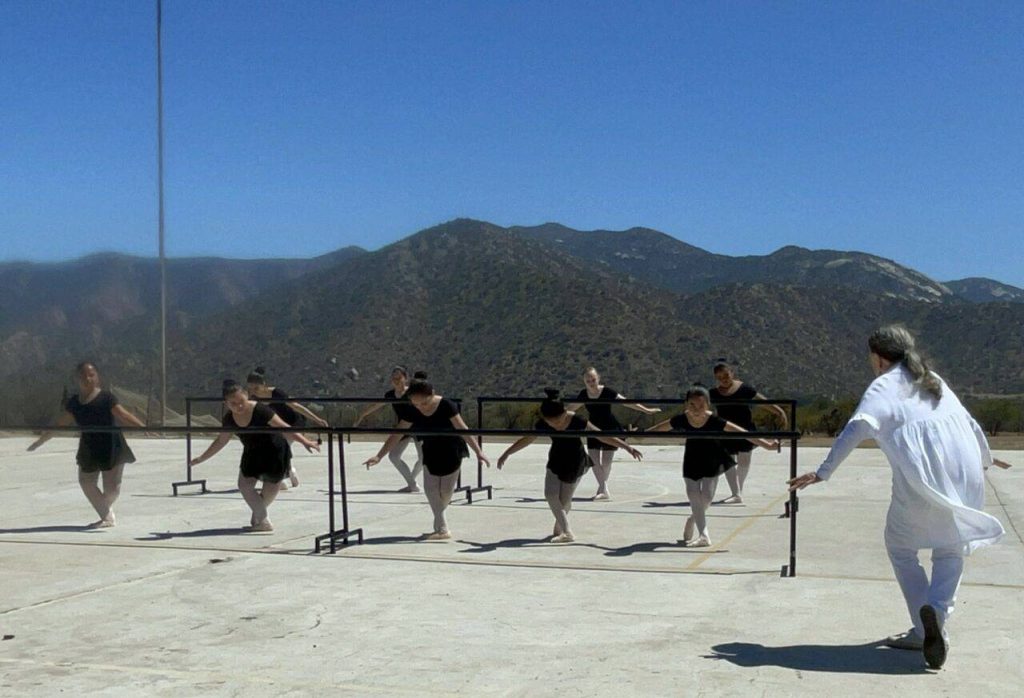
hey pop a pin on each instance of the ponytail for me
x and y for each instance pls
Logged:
(895, 344)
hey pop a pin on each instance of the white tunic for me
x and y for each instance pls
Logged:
(938, 454)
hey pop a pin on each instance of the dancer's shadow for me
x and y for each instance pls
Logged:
(195, 533)
(532, 500)
(338, 492)
(869, 658)
(662, 505)
(393, 540)
(652, 547)
(507, 543)
(51, 529)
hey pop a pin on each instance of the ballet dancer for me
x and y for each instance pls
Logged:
(265, 456)
(601, 416)
(291, 413)
(938, 454)
(704, 459)
(399, 386)
(98, 452)
(729, 389)
(442, 454)
(567, 461)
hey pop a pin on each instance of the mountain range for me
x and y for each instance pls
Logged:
(493, 310)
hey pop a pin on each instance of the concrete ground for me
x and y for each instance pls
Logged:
(177, 601)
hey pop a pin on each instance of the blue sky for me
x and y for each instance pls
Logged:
(292, 129)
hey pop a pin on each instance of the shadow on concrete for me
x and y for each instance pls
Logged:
(51, 529)
(507, 543)
(870, 658)
(338, 492)
(196, 533)
(652, 547)
(662, 505)
(393, 540)
(531, 500)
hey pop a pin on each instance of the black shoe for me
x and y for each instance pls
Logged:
(935, 646)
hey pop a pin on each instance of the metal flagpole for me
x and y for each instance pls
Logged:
(160, 188)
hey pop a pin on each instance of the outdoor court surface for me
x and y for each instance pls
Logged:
(177, 601)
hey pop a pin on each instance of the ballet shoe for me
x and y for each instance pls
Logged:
(410, 489)
(702, 542)
(439, 535)
(688, 531)
(734, 499)
(601, 497)
(293, 477)
(563, 538)
(263, 526)
(102, 523)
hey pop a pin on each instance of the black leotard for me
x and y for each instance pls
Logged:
(442, 455)
(99, 451)
(601, 416)
(740, 415)
(264, 455)
(703, 457)
(566, 457)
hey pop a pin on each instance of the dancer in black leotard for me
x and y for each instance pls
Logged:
(442, 455)
(601, 416)
(98, 452)
(567, 461)
(265, 456)
(399, 386)
(727, 390)
(704, 459)
(291, 413)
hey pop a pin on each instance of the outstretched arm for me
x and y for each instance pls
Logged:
(661, 426)
(389, 444)
(636, 406)
(123, 417)
(220, 442)
(308, 414)
(65, 420)
(618, 443)
(777, 409)
(370, 409)
(276, 421)
(518, 445)
(471, 440)
(763, 443)
(859, 428)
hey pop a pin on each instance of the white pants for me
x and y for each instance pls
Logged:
(940, 592)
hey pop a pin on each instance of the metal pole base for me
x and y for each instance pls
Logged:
(473, 490)
(189, 483)
(333, 539)
(788, 571)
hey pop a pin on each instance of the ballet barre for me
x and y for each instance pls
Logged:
(336, 537)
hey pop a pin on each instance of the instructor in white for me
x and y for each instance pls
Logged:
(938, 454)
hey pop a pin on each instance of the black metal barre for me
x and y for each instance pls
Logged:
(334, 535)
(188, 481)
(791, 506)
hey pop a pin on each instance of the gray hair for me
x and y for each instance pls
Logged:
(894, 343)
